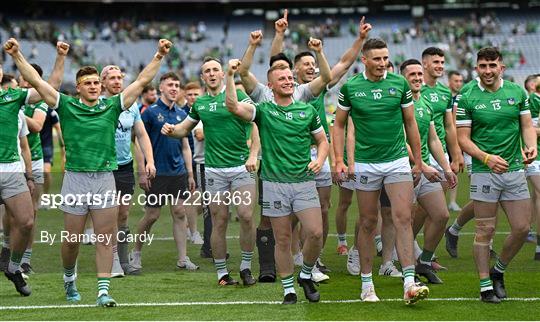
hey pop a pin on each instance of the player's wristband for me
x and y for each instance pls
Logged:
(486, 158)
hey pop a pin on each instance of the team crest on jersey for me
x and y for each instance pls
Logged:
(486, 189)
(363, 179)
(302, 114)
(277, 204)
(160, 118)
(511, 101)
(7, 98)
(392, 91)
(210, 182)
(178, 118)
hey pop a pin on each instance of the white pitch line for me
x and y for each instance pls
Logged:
(78, 306)
(329, 235)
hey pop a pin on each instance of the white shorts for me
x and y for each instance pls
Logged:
(324, 177)
(219, 180)
(425, 186)
(349, 185)
(37, 171)
(372, 176)
(283, 199)
(436, 165)
(533, 169)
(85, 191)
(12, 180)
(491, 187)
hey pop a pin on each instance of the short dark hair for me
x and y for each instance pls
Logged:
(432, 51)
(210, 58)
(489, 53)
(408, 62)
(38, 69)
(530, 78)
(148, 88)
(273, 68)
(86, 70)
(454, 73)
(280, 56)
(389, 64)
(302, 54)
(373, 43)
(7, 78)
(168, 75)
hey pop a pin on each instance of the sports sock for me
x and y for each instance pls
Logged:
(367, 280)
(246, 260)
(500, 266)
(538, 243)
(103, 285)
(342, 239)
(485, 284)
(221, 267)
(426, 257)
(27, 256)
(5, 243)
(15, 262)
(288, 284)
(69, 274)
(305, 273)
(455, 228)
(378, 243)
(417, 250)
(408, 275)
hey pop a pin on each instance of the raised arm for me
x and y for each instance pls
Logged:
(132, 92)
(325, 75)
(248, 79)
(44, 89)
(280, 27)
(57, 74)
(349, 57)
(243, 110)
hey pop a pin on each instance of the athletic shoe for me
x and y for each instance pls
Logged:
(498, 283)
(298, 259)
(310, 291)
(206, 253)
(319, 264)
(368, 295)
(196, 238)
(72, 294)
(342, 250)
(187, 264)
(105, 301)
(26, 268)
(531, 237)
(317, 276)
(290, 298)
(4, 259)
(451, 243)
(428, 272)
(129, 270)
(489, 297)
(389, 269)
(453, 206)
(247, 277)
(414, 293)
(227, 280)
(135, 260)
(537, 256)
(18, 281)
(117, 270)
(353, 262)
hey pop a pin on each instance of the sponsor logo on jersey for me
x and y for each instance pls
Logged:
(360, 94)
(511, 101)
(160, 118)
(275, 113)
(486, 189)
(392, 91)
(480, 107)
(277, 204)
(302, 114)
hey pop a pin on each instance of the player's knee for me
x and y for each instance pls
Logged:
(402, 218)
(26, 224)
(520, 230)
(368, 224)
(485, 230)
(123, 216)
(283, 241)
(441, 217)
(179, 214)
(245, 216)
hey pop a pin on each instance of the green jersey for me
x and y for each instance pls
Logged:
(286, 133)
(11, 101)
(225, 135)
(424, 119)
(89, 132)
(375, 109)
(534, 101)
(494, 118)
(319, 105)
(34, 141)
(440, 100)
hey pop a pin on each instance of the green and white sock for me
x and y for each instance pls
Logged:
(538, 243)
(378, 243)
(15, 262)
(69, 274)
(425, 257)
(455, 228)
(221, 267)
(485, 284)
(27, 256)
(5, 242)
(288, 284)
(342, 239)
(408, 275)
(103, 285)
(246, 260)
(367, 280)
(305, 273)
(500, 266)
